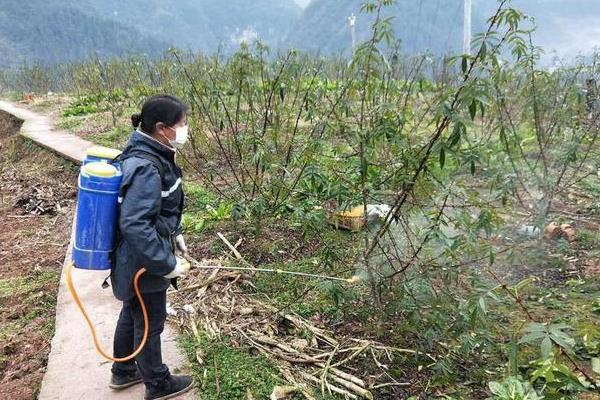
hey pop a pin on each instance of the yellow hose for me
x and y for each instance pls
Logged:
(138, 294)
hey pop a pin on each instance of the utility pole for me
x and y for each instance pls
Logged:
(467, 6)
(352, 22)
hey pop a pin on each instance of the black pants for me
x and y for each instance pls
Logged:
(128, 335)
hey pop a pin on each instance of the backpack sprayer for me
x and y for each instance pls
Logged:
(95, 230)
(95, 235)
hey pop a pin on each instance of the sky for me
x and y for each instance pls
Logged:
(302, 3)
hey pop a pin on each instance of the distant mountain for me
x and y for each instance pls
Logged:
(205, 24)
(567, 26)
(58, 31)
(433, 25)
(51, 31)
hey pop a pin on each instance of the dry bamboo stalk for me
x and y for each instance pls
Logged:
(208, 282)
(353, 355)
(340, 351)
(290, 378)
(388, 384)
(270, 341)
(330, 387)
(235, 252)
(341, 374)
(302, 324)
(353, 387)
(379, 365)
(272, 352)
(284, 371)
(332, 378)
(399, 350)
(325, 369)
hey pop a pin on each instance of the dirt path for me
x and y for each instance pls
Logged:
(38, 197)
(36, 209)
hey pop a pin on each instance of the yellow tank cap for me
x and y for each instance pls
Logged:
(100, 169)
(103, 152)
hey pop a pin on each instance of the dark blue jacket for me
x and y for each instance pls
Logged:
(149, 216)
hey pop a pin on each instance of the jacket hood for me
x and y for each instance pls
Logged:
(141, 141)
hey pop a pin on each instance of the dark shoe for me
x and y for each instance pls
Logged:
(120, 382)
(173, 387)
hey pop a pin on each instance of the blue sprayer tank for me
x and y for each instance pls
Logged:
(97, 212)
(101, 154)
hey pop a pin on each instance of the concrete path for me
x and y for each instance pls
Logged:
(75, 370)
(40, 129)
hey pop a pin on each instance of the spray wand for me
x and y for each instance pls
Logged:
(354, 279)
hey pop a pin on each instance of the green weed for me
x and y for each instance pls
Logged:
(69, 123)
(228, 372)
(113, 138)
(192, 223)
(34, 297)
(198, 197)
(81, 106)
(23, 285)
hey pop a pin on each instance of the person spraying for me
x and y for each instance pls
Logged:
(149, 235)
(129, 209)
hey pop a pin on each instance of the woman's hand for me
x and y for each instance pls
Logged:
(180, 244)
(181, 268)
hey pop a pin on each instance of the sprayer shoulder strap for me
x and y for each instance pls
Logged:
(161, 170)
(152, 158)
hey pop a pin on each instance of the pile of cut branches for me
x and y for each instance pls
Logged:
(309, 356)
(44, 199)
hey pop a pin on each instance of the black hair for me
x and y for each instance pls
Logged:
(162, 108)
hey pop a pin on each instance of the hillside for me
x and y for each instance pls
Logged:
(204, 24)
(566, 26)
(72, 30)
(421, 25)
(61, 31)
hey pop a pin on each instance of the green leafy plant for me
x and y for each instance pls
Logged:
(513, 388)
(548, 335)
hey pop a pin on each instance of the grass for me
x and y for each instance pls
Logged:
(590, 185)
(22, 285)
(85, 117)
(198, 197)
(12, 95)
(69, 123)
(193, 223)
(229, 372)
(35, 301)
(48, 103)
(113, 138)
(305, 296)
(588, 239)
(203, 212)
(8, 329)
(232, 372)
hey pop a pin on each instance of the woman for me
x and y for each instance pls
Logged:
(149, 235)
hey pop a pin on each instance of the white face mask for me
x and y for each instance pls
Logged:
(181, 136)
